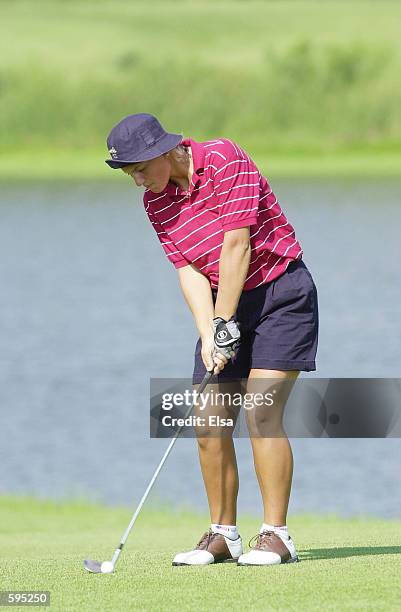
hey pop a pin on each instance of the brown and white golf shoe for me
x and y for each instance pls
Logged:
(269, 549)
(211, 548)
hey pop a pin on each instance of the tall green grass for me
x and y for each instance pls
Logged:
(306, 96)
(298, 77)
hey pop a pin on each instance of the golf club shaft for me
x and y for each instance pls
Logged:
(117, 552)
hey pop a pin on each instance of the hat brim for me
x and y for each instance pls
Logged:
(165, 144)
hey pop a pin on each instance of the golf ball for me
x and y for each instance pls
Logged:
(107, 567)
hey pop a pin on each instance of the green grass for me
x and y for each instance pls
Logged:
(298, 83)
(62, 164)
(351, 564)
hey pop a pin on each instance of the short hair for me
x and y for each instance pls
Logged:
(180, 152)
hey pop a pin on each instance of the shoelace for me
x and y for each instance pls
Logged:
(208, 536)
(261, 538)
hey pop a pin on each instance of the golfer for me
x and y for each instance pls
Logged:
(254, 303)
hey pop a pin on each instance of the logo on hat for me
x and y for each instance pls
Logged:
(113, 153)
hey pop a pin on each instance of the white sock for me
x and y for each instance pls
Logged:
(280, 530)
(230, 531)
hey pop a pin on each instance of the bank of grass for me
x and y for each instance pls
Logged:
(301, 84)
(64, 165)
(346, 564)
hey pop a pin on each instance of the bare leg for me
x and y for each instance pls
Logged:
(218, 463)
(271, 449)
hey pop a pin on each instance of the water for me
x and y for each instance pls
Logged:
(90, 309)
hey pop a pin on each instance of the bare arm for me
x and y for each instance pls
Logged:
(198, 295)
(233, 269)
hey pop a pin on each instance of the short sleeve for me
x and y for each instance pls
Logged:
(236, 186)
(173, 255)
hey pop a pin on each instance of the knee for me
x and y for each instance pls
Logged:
(213, 443)
(264, 424)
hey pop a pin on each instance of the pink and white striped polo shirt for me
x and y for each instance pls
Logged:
(227, 192)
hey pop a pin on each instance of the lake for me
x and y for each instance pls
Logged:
(90, 309)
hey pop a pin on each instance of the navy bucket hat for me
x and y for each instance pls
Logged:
(138, 138)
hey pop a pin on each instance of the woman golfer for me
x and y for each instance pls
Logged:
(254, 303)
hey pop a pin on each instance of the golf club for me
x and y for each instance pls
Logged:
(107, 567)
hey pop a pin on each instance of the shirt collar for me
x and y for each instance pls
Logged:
(198, 160)
(198, 156)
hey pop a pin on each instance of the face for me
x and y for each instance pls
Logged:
(153, 174)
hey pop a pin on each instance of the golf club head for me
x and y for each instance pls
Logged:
(97, 567)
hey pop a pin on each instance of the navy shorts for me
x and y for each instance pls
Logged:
(279, 324)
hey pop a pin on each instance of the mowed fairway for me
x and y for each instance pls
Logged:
(351, 564)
